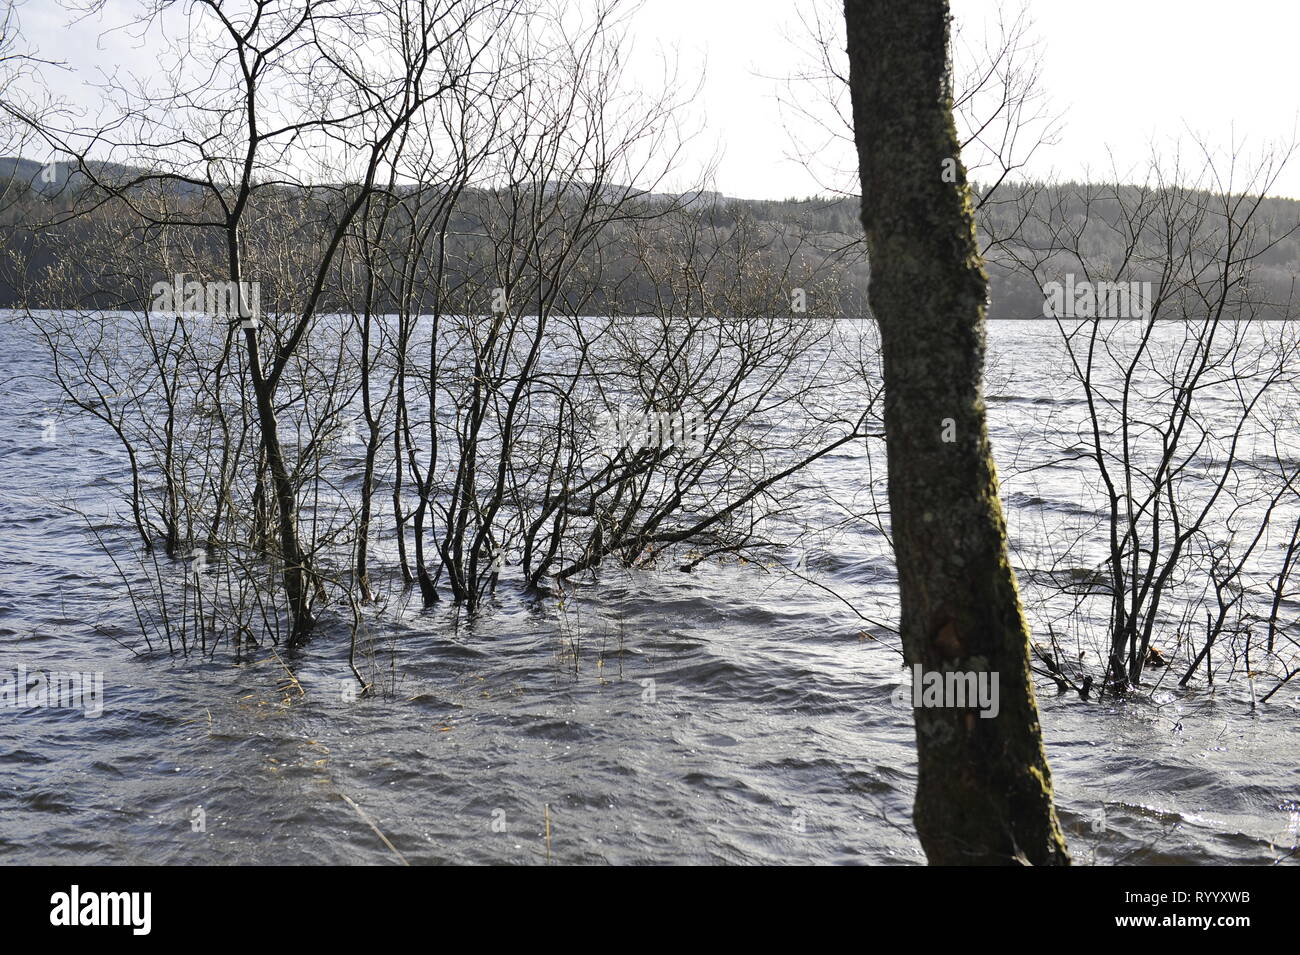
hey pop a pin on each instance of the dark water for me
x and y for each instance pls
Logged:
(734, 715)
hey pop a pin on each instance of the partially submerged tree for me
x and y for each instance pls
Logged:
(287, 87)
(1175, 400)
(984, 790)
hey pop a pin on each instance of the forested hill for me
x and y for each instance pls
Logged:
(68, 243)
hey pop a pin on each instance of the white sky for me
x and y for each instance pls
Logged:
(1125, 74)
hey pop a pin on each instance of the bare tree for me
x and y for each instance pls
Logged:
(1175, 390)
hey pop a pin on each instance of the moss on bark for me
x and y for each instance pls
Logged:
(984, 793)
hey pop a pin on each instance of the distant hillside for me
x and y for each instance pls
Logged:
(1023, 225)
(63, 177)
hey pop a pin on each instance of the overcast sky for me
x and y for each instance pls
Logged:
(1124, 74)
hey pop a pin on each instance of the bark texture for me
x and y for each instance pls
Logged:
(984, 794)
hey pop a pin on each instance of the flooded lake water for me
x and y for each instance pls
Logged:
(737, 714)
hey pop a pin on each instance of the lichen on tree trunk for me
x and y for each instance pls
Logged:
(984, 791)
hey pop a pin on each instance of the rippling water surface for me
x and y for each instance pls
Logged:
(733, 715)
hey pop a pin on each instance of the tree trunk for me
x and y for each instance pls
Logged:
(296, 573)
(984, 791)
